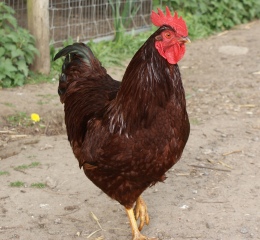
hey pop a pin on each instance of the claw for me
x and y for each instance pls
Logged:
(141, 212)
(136, 233)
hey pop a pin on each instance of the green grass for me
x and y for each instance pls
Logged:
(41, 102)
(27, 166)
(36, 78)
(2, 173)
(22, 184)
(8, 104)
(17, 184)
(38, 185)
(195, 121)
(45, 98)
(18, 119)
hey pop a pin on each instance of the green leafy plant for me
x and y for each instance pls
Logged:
(122, 11)
(17, 49)
(205, 17)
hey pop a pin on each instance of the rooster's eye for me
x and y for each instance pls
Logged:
(167, 35)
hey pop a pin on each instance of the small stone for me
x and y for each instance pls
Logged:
(184, 206)
(50, 182)
(243, 230)
(15, 236)
(46, 146)
(207, 151)
(57, 221)
(251, 155)
(45, 206)
(41, 225)
(160, 235)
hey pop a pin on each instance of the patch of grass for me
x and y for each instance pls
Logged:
(2, 173)
(38, 185)
(18, 119)
(8, 104)
(188, 96)
(26, 166)
(17, 184)
(238, 95)
(47, 96)
(195, 121)
(40, 102)
(35, 78)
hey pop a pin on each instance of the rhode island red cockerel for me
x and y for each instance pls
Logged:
(127, 135)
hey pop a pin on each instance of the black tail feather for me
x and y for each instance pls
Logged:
(79, 62)
(79, 49)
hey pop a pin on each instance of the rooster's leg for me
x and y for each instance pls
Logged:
(140, 211)
(135, 231)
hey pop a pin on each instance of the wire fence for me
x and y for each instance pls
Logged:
(84, 20)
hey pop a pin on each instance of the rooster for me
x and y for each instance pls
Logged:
(127, 135)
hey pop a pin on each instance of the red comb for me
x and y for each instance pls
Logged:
(159, 19)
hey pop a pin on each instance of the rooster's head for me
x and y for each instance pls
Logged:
(170, 43)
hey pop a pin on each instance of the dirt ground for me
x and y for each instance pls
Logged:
(211, 194)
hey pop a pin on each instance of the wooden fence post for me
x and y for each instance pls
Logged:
(38, 25)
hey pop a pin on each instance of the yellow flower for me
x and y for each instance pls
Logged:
(35, 117)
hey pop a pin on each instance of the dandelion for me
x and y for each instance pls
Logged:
(35, 117)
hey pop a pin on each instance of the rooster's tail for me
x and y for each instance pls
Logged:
(79, 63)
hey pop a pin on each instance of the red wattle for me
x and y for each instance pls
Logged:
(172, 54)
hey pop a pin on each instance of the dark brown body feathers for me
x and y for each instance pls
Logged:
(125, 136)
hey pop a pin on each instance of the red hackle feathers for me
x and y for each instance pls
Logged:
(159, 19)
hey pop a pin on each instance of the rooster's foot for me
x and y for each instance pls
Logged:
(141, 212)
(142, 237)
(136, 233)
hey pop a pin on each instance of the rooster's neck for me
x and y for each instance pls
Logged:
(149, 84)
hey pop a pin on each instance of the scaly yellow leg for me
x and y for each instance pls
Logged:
(141, 212)
(135, 231)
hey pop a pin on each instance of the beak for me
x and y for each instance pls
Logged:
(184, 40)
